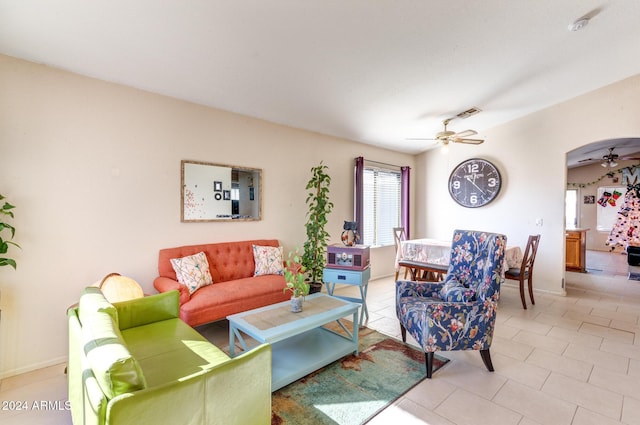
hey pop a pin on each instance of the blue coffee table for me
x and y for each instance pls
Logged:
(300, 342)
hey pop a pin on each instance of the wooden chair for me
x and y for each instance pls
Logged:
(119, 288)
(526, 269)
(398, 236)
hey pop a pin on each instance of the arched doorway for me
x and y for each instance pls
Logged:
(595, 180)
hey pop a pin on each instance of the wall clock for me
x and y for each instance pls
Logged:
(474, 183)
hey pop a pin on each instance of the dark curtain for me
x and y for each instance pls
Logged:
(405, 217)
(358, 192)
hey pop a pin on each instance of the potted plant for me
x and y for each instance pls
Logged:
(294, 275)
(4, 244)
(319, 206)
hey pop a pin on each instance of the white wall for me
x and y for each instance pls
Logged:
(94, 171)
(531, 155)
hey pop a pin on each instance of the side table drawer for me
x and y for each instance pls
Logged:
(348, 277)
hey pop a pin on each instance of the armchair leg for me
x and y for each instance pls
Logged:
(428, 358)
(403, 331)
(486, 358)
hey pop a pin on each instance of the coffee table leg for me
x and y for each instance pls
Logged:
(330, 287)
(363, 297)
(233, 334)
(356, 326)
(232, 341)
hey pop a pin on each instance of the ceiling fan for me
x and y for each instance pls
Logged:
(609, 160)
(445, 136)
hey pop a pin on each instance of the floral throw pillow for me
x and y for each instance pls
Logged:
(454, 291)
(192, 271)
(268, 260)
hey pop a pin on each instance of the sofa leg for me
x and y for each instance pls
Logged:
(428, 359)
(403, 331)
(486, 358)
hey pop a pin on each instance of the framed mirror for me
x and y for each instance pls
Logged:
(218, 192)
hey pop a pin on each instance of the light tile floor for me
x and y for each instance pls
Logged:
(566, 360)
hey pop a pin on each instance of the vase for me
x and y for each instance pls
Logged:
(296, 304)
(350, 237)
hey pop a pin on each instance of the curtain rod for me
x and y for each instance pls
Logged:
(383, 163)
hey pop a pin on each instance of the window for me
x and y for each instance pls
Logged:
(571, 208)
(381, 205)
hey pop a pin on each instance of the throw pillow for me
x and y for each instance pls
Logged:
(192, 271)
(268, 260)
(454, 291)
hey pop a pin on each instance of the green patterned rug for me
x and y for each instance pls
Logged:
(352, 390)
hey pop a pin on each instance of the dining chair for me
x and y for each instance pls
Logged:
(459, 313)
(398, 236)
(525, 271)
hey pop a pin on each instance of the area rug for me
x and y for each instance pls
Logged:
(352, 390)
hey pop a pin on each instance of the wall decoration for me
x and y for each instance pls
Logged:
(630, 176)
(474, 183)
(609, 203)
(198, 202)
(589, 199)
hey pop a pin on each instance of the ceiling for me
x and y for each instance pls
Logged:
(378, 72)
(593, 153)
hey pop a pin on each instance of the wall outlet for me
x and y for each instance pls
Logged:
(539, 222)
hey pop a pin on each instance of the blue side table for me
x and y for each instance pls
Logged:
(331, 277)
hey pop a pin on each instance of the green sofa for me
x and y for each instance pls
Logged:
(136, 362)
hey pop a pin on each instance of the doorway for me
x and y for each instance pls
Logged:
(590, 169)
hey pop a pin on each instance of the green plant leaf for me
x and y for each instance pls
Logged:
(6, 226)
(5, 210)
(8, 262)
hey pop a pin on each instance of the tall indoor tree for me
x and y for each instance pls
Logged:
(320, 207)
(6, 211)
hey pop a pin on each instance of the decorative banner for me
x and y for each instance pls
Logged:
(630, 176)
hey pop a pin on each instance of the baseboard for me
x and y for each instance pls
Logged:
(30, 368)
(512, 284)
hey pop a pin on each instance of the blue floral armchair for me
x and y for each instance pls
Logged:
(458, 313)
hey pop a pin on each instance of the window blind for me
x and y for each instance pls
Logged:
(382, 205)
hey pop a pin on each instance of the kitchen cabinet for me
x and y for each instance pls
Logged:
(576, 249)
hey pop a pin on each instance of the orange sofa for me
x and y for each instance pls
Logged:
(234, 289)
